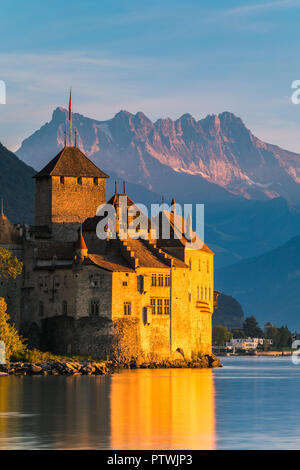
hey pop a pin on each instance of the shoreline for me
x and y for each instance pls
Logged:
(257, 354)
(72, 368)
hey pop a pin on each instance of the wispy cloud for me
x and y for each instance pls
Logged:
(262, 7)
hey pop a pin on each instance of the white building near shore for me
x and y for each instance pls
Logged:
(247, 343)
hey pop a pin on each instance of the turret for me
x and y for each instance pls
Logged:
(80, 246)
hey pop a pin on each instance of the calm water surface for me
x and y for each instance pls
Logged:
(251, 403)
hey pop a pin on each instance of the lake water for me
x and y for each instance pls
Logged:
(251, 403)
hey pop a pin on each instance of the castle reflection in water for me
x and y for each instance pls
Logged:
(138, 409)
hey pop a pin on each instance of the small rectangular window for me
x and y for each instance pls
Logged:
(153, 280)
(79, 180)
(127, 308)
(62, 180)
(125, 283)
(167, 306)
(160, 280)
(94, 308)
(153, 304)
(96, 181)
(159, 306)
(167, 280)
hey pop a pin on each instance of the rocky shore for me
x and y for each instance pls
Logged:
(103, 368)
(206, 361)
(57, 368)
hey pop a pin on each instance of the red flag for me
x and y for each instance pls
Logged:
(70, 105)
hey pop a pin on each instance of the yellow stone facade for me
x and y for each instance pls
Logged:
(157, 294)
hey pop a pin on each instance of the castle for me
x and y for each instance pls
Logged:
(79, 294)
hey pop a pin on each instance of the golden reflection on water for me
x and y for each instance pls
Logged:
(163, 409)
(133, 409)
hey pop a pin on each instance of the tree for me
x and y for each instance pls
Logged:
(285, 339)
(14, 343)
(238, 334)
(10, 266)
(220, 335)
(251, 328)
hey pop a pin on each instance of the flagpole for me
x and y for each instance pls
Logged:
(70, 117)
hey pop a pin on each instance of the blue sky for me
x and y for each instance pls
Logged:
(164, 58)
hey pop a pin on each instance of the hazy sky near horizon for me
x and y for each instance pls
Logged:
(164, 58)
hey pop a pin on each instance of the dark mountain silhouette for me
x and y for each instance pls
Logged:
(16, 187)
(267, 286)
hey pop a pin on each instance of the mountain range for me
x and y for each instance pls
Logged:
(206, 160)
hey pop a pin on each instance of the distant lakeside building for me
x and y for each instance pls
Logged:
(79, 294)
(247, 343)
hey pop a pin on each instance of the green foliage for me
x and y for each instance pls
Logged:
(220, 335)
(281, 337)
(238, 334)
(10, 266)
(252, 329)
(35, 355)
(15, 344)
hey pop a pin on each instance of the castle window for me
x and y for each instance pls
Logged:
(201, 292)
(153, 304)
(153, 280)
(127, 308)
(125, 283)
(159, 306)
(79, 180)
(65, 307)
(190, 264)
(198, 292)
(207, 265)
(140, 284)
(199, 267)
(96, 181)
(167, 280)
(94, 308)
(62, 180)
(160, 280)
(205, 293)
(41, 309)
(167, 306)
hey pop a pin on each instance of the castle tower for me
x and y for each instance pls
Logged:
(80, 246)
(68, 190)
